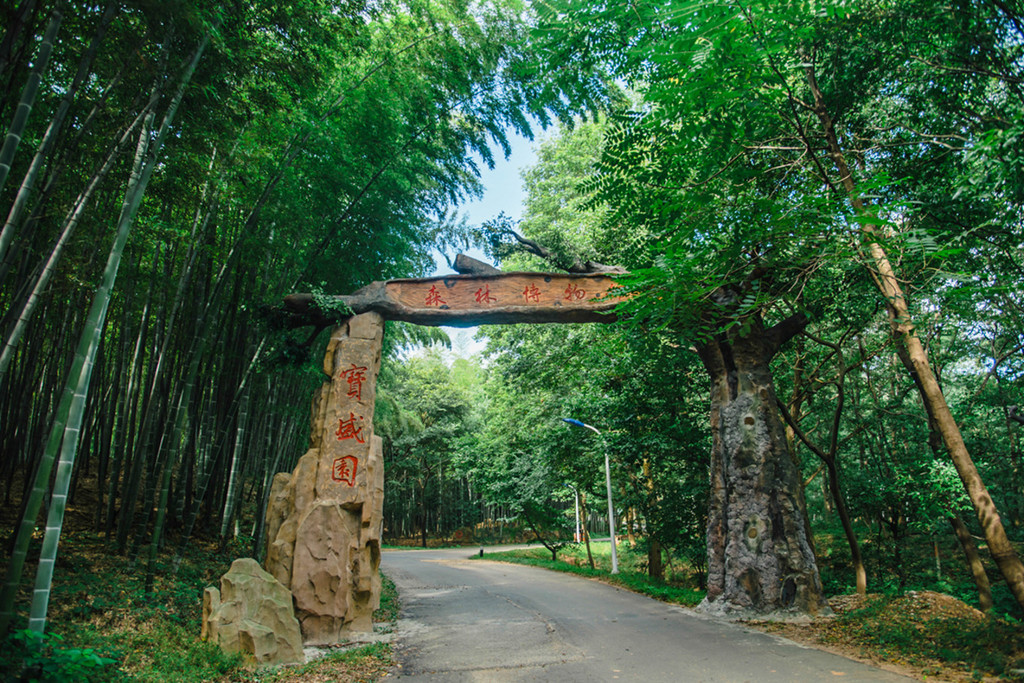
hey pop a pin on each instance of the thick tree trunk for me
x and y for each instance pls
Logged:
(655, 565)
(585, 521)
(856, 559)
(998, 543)
(423, 514)
(760, 558)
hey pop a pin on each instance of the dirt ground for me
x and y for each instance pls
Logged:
(916, 609)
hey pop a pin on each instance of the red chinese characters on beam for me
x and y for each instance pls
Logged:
(434, 298)
(344, 469)
(532, 293)
(350, 429)
(574, 293)
(510, 293)
(484, 296)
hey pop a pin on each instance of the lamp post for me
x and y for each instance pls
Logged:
(576, 536)
(608, 484)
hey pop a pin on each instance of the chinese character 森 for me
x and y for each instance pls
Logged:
(434, 297)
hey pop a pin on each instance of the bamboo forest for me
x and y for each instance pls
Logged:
(804, 394)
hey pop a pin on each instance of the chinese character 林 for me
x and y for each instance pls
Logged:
(483, 295)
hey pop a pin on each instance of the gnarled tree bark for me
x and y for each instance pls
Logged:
(760, 558)
(577, 266)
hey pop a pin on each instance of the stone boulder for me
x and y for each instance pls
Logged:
(320, 573)
(252, 614)
(324, 519)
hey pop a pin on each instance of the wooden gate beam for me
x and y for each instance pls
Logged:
(469, 300)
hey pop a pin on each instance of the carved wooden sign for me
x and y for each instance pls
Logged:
(467, 300)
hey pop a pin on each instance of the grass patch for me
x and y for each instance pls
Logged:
(387, 613)
(367, 663)
(574, 562)
(104, 627)
(925, 627)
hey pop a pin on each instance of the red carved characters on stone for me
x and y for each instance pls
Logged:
(355, 376)
(344, 469)
(434, 297)
(484, 296)
(532, 293)
(349, 429)
(574, 293)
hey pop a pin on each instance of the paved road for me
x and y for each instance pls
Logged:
(472, 620)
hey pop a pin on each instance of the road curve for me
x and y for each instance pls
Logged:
(471, 620)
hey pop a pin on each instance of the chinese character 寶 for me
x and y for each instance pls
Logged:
(355, 377)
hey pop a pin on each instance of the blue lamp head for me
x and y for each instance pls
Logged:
(575, 423)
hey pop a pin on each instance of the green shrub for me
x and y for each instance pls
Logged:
(638, 582)
(29, 656)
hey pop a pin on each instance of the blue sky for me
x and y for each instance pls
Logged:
(503, 186)
(503, 192)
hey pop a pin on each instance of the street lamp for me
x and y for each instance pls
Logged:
(608, 484)
(576, 537)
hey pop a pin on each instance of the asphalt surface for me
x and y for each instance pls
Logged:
(471, 620)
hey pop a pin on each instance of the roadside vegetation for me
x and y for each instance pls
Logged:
(921, 633)
(572, 559)
(105, 627)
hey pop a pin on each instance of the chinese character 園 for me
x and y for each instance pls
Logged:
(344, 469)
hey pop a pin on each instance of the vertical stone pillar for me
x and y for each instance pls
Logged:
(324, 519)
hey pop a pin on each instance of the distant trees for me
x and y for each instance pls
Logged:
(429, 413)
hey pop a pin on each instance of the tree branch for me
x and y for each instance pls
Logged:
(581, 267)
(782, 332)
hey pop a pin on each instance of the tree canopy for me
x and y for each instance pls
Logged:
(819, 204)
